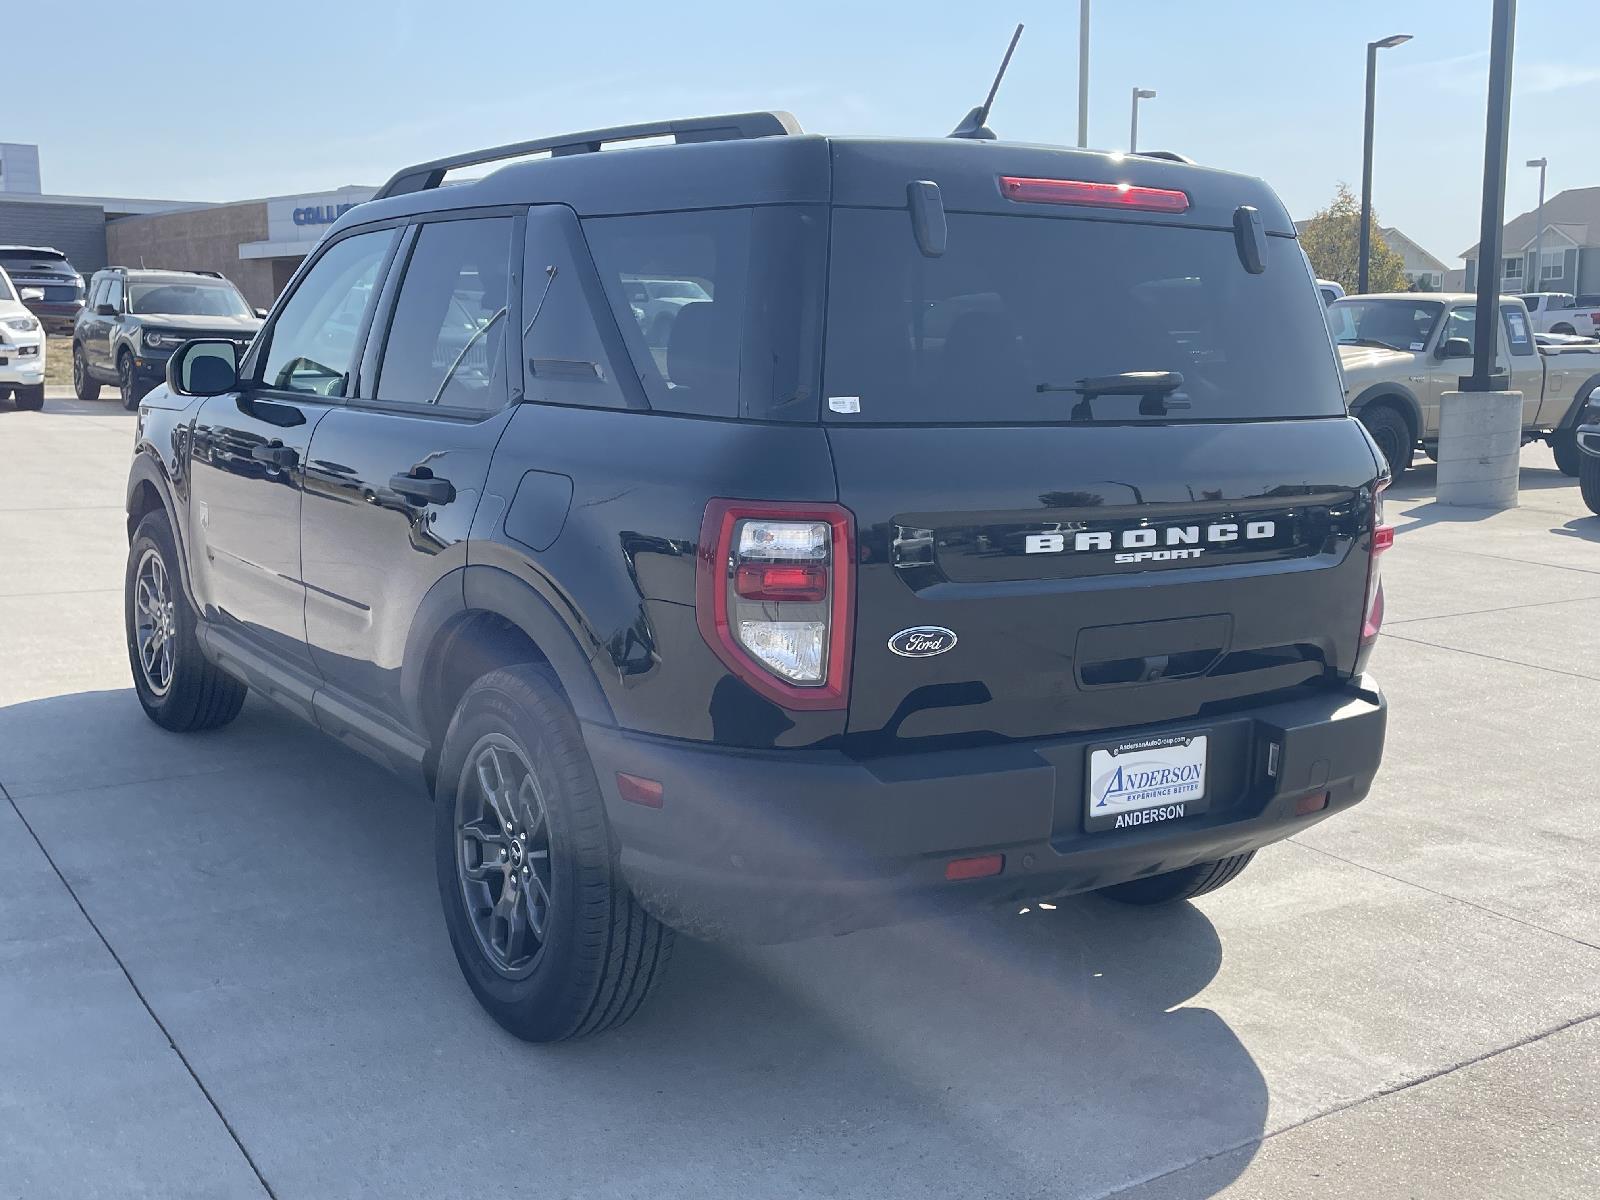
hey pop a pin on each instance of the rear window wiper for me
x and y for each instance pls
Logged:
(1153, 386)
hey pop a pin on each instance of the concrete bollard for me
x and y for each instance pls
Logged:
(1480, 448)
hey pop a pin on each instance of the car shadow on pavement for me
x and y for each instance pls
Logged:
(1586, 528)
(273, 897)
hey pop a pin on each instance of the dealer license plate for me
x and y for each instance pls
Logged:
(1145, 781)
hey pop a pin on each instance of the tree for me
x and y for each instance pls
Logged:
(1332, 241)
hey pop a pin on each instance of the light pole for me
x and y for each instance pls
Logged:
(1366, 153)
(1538, 229)
(1083, 74)
(1502, 39)
(1133, 126)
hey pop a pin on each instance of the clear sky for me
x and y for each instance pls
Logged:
(281, 97)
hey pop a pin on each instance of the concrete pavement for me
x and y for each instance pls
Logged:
(223, 971)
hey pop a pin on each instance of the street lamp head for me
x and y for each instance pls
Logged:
(1144, 93)
(1391, 41)
(1538, 162)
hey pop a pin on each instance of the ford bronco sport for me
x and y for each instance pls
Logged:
(992, 530)
(136, 318)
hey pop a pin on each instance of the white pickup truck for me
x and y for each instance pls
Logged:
(1560, 312)
(1401, 351)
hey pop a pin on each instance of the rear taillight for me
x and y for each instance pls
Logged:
(773, 597)
(1092, 194)
(1382, 538)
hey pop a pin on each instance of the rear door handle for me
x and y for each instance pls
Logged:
(426, 488)
(277, 455)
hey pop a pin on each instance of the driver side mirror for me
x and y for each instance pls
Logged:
(105, 310)
(262, 313)
(33, 293)
(1455, 348)
(204, 367)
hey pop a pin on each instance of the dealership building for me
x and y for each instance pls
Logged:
(256, 243)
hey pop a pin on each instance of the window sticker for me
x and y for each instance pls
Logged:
(844, 404)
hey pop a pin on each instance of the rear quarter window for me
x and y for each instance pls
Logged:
(720, 310)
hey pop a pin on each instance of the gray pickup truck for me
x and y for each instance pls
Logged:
(1401, 351)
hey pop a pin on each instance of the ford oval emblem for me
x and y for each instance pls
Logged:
(923, 641)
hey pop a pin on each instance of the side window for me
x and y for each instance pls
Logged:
(446, 341)
(681, 277)
(311, 346)
(1461, 323)
(97, 290)
(114, 292)
(721, 309)
(1518, 336)
(565, 358)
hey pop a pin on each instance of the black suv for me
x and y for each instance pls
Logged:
(136, 318)
(993, 529)
(48, 270)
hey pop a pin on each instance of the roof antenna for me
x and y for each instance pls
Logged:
(973, 125)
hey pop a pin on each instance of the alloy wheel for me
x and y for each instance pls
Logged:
(155, 622)
(503, 855)
(125, 378)
(77, 368)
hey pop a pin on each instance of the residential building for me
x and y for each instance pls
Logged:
(1569, 259)
(1424, 272)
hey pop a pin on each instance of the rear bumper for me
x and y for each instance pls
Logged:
(776, 845)
(57, 315)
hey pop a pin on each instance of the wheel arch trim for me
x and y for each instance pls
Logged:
(1399, 395)
(477, 589)
(147, 472)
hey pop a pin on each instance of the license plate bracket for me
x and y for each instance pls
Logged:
(1146, 781)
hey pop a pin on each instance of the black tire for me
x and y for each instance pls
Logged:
(128, 383)
(1564, 445)
(29, 399)
(1183, 884)
(1589, 481)
(190, 693)
(84, 385)
(1393, 435)
(600, 954)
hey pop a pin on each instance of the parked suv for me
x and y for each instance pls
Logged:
(59, 284)
(136, 318)
(22, 346)
(993, 530)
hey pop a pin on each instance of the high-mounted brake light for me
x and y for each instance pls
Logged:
(773, 597)
(1094, 195)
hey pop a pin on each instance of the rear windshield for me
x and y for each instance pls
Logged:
(42, 257)
(1018, 311)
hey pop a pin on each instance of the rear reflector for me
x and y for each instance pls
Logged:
(1311, 804)
(636, 789)
(975, 868)
(1095, 195)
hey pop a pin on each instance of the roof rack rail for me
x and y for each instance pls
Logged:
(424, 176)
(213, 274)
